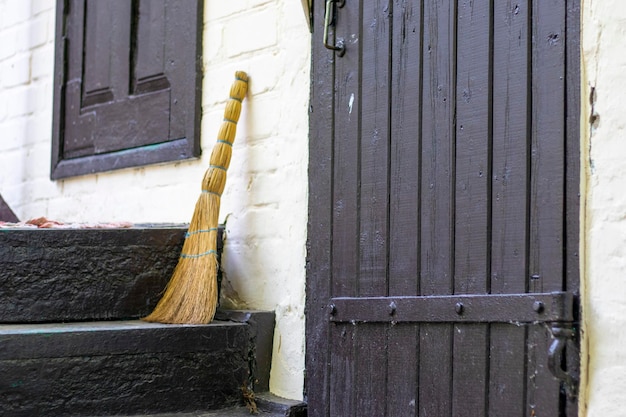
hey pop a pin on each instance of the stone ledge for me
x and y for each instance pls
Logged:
(132, 367)
(56, 275)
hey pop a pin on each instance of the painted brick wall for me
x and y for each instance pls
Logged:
(265, 202)
(604, 247)
(26, 54)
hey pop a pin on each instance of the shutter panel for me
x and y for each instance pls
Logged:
(127, 84)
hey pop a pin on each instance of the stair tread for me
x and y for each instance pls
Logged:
(133, 367)
(225, 412)
(56, 340)
(95, 326)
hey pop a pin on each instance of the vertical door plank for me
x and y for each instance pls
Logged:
(507, 370)
(374, 148)
(405, 148)
(547, 185)
(371, 343)
(472, 200)
(511, 138)
(343, 394)
(547, 163)
(437, 195)
(345, 205)
(371, 370)
(572, 175)
(403, 348)
(347, 114)
(572, 150)
(320, 239)
(403, 363)
(438, 135)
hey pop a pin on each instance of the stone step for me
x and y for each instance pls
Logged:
(266, 405)
(57, 275)
(132, 367)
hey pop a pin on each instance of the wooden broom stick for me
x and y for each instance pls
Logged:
(191, 294)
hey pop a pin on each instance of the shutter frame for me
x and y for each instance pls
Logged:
(119, 142)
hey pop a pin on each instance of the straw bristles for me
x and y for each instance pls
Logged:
(191, 294)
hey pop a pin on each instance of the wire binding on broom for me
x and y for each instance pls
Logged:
(191, 294)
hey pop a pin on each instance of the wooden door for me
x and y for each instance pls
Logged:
(443, 236)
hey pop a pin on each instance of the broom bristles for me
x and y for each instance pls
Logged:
(191, 294)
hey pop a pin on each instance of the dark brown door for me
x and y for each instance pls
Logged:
(443, 237)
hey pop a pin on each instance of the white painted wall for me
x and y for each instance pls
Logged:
(604, 243)
(265, 200)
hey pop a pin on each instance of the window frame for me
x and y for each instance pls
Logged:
(172, 150)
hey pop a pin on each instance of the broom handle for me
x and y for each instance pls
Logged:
(233, 106)
(220, 156)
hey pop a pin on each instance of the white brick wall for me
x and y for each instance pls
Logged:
(604, 220)
(26, 55)
(266, 193)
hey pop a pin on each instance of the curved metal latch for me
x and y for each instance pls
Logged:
(340, 47)
(562, 333)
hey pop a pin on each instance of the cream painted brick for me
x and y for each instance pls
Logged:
(19, 37)
(16, 71)
(16, 11)
(251, 32)
(41, 95)
(39, 189)
(35, 31)
(268, 72)
(38, 160)
(212, 39)
(8, 45)
(42, 62)
(39, 6)
(4, 109)
(13, 133)
(12, 158)
(38, 127)
(220, 9)
(33, 210)
(264, 76)
(23, 101)
(262, 115)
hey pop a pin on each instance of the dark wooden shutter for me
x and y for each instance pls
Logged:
(443, 237)
(127, 84)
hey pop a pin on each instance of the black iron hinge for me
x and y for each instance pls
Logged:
(564, 352)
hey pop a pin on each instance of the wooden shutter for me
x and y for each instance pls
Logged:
(127, 84)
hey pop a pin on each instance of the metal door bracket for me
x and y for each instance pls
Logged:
(563, 334)
(476, 308)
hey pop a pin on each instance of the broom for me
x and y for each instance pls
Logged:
(191, 294)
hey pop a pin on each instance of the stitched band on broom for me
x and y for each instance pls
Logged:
(191, 294)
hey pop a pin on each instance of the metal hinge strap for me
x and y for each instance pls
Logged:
(475, 308)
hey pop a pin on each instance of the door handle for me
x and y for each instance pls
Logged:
(340, 48)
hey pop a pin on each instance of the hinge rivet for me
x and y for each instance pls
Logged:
(459, 308)
(392, 308)
(332, 309)
(538, 306)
